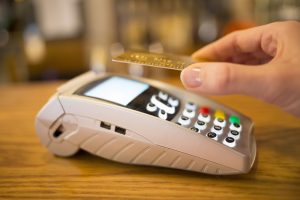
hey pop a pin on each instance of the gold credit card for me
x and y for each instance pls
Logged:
(168, 61)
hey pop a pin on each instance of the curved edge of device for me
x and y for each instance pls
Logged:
(253, 156)
(47, 119)
(253, 150)
(47, 123)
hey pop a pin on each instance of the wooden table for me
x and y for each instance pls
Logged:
(28, 170)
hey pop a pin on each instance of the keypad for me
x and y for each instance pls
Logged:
(163, 106)
(214, 124)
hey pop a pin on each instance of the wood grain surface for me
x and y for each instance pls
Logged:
(29, 171)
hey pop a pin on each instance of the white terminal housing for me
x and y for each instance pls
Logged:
(145, 122)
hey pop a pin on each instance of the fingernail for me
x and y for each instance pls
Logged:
(191, 77)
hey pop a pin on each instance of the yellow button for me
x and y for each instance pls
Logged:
(219, 114)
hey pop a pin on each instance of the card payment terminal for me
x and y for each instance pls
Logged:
(146, 122)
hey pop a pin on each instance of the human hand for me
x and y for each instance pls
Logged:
(263, 62)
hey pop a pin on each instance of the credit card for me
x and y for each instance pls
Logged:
(161, 60)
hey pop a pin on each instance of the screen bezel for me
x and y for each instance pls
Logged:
(138, 103)
(127, 90)
(145, 95)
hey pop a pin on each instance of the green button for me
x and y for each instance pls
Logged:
(234, 119)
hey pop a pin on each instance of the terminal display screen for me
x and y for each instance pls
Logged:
(117, 90)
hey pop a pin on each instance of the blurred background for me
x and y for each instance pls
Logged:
(59, 39)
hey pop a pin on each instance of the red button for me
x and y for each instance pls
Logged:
(204, 110)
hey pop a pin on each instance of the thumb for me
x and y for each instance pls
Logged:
(225, 78)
